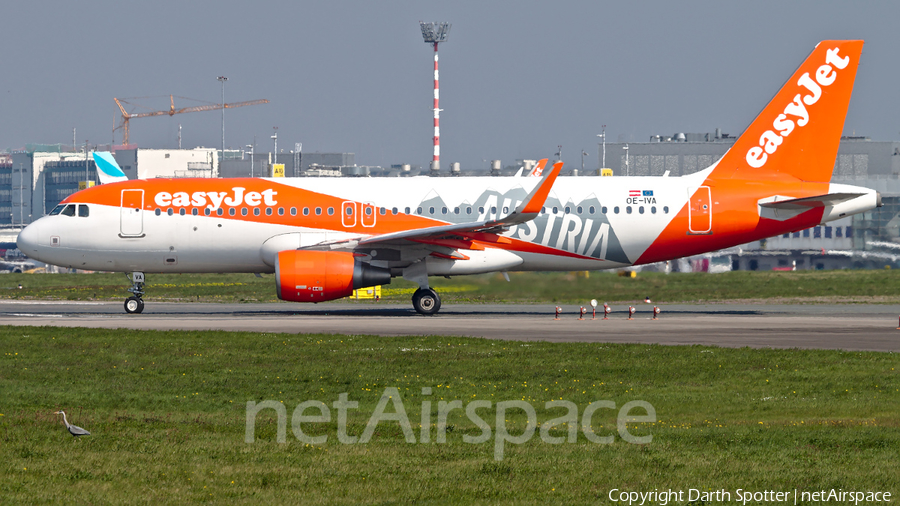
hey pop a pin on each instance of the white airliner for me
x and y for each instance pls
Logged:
(325, 237)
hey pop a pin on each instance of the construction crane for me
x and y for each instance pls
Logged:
(126, 116)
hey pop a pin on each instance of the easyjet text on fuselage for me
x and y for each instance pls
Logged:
(213, 200)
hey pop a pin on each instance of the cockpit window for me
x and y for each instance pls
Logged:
(69, 210)
(83, 211)
(56, 210)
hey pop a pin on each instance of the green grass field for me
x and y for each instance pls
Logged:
(803, 286)
(167, 413)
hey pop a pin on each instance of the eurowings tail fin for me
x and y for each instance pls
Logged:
(799, 131)
(107, 169)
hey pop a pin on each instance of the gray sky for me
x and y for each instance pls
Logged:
(518, 78)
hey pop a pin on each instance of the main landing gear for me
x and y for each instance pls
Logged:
(135, 303)
(426, 301)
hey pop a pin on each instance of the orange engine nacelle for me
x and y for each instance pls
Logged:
(317, 276)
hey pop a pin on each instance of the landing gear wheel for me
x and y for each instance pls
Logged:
(134, 305)
(426, 301)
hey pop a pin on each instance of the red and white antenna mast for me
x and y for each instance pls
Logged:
(435, 33)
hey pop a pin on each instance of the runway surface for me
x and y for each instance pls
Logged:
(869, 327)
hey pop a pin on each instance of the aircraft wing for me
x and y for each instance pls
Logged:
(811, 202)
(526, 211)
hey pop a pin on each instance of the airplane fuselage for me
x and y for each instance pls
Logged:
(238, 225)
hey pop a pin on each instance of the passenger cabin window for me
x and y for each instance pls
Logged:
(330, 211)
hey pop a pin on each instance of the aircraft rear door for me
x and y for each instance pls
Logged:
(700, 211)
(131, 219)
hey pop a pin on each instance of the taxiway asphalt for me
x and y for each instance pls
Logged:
(869, 327)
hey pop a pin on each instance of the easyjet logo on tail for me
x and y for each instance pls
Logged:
(795, 112)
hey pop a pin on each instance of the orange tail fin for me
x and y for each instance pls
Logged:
(799, 132)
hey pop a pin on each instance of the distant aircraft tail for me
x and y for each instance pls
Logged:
(107, 169)
(797, 135)
(538, 169)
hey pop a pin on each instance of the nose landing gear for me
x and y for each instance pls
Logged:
(135, 303)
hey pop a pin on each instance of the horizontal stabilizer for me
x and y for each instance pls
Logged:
(811, 202)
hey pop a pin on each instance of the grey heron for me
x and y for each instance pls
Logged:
(73, 429)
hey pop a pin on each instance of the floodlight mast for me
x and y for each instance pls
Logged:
(435, 33)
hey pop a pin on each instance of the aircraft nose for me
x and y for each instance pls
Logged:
(29, 239)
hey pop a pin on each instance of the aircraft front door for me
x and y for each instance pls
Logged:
(700, 211)
(131, 215)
